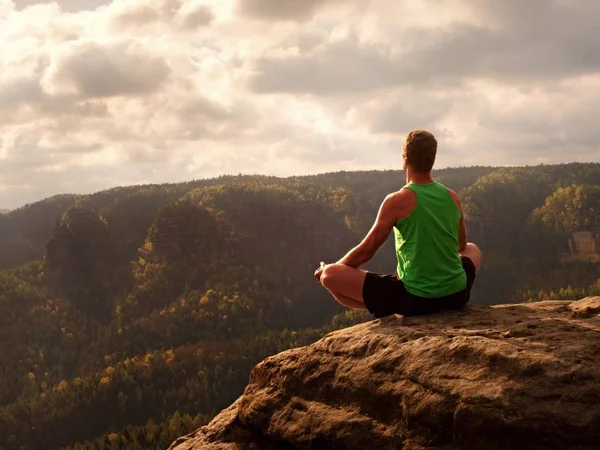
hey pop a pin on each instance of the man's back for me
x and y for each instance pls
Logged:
(436, 265)
(427, 241)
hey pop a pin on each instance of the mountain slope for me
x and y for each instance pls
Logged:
(137, 313)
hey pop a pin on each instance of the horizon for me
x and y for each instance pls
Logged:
(5, 209)
(103, 93)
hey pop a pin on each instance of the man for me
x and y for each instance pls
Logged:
(436, 266)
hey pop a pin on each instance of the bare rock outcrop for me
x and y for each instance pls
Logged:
(523, 376)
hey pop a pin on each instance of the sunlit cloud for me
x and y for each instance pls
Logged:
(95, 93)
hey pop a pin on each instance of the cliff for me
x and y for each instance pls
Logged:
(519, 376)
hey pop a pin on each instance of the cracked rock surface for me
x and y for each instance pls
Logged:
(524, 376)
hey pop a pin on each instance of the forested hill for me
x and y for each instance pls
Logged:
(132, 210)
(130, 316)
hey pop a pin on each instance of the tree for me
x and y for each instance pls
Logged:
(570, 209)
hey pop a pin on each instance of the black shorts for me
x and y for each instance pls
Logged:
(385, 295)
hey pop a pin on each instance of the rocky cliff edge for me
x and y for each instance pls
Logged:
(524, 376)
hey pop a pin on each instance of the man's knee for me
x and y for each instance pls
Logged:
(472, 247)
(330, 274)
(473, 252)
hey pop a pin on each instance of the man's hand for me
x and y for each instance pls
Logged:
(319, 271)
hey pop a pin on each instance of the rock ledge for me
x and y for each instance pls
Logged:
(523, 376)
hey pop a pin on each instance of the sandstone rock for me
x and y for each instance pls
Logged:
(523, 376)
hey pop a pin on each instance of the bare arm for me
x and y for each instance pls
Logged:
(462, 229)
(363, 252)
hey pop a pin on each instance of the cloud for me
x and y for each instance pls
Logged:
(136, 14)
(95, 94)
(506, 50)
(144, 16)
(65, 5)
(402, 110)
(332, 69)
(196, 16)
(339, 66)
(280, 9)
(92, 69)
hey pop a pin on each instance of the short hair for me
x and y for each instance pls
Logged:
(420, 148)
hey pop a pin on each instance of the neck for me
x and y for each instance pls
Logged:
(418, 177)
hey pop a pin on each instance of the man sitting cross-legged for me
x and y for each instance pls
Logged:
(436, 265)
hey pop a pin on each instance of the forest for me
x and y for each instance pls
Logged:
(131, 316)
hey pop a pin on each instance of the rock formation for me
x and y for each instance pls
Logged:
(523, 376)
(80, 237)
(82, 261)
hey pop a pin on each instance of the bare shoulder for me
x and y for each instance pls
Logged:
(454, 196)
(403, 202)
(402, 196)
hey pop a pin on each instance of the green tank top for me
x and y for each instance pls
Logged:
(427, 244)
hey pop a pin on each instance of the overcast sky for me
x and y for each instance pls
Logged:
(95, 94)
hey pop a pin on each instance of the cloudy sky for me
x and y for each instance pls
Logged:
(99, 93)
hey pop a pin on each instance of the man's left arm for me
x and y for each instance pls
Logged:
(363, 252)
